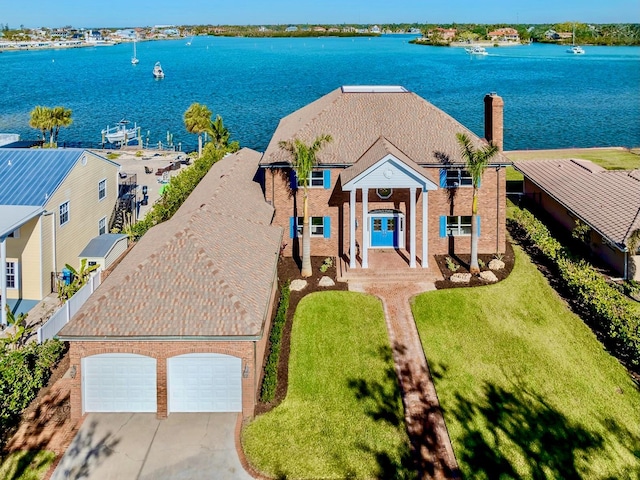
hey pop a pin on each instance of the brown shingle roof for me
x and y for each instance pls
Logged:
(607, 200)
(206, 272)
(356, 120)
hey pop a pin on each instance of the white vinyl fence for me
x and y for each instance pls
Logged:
(60, 318)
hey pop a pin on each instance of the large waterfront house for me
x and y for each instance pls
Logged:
(392, 178)
(52, 203)
(181, 324)
(606, 201)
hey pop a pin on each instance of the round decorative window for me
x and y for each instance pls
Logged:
(384, 193)
(84, 160)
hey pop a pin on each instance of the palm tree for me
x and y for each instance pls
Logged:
(40, 118)
(60, 117)
(476, 161)
(197, 119)
(304, 159)
(219, 133)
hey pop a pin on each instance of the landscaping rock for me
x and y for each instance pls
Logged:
(496, 264)
(297, 285)
(326, 282)
(460, 278)
(488, 276)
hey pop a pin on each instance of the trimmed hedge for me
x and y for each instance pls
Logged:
(179, 188)
(607, 308)
(270, 379)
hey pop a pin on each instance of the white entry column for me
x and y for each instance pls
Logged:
(365, 228)
(425, 230)
(352, 228)
(412, 226)
(3, 279)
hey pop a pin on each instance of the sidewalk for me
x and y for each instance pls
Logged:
(425, 423)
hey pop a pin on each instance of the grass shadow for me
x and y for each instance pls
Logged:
(500, 424)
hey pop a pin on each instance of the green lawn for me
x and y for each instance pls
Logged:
(527, 390)
(609, 158)
(26, 465)
(343, 415)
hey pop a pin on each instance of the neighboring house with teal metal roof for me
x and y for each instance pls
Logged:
(52, 203)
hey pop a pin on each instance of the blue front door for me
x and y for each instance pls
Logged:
(384, 232)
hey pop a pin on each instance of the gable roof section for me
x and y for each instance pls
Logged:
(206, 272)
(356, 119)
(31, 176)
(380, 149)
(607, 200)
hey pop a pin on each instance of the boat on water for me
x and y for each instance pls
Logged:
(575, 49)
(157, 70)
(189, 42)
(121, 133)
(477, 50)
(134, 59)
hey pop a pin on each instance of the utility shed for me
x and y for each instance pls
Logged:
(104, 249)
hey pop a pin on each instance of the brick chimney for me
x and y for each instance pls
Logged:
(493, 119)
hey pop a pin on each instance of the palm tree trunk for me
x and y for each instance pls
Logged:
(474, 268)
(306, 240)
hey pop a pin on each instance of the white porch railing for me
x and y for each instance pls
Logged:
(60, 318)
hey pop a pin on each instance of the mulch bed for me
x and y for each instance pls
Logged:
(288, 270)
(463, 262)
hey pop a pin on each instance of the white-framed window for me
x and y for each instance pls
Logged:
(64, 213)
(458, 225)
(102, 189)
(12, 275)
(102, 226)
(14, 234)
(457, 177)
(316, 225)
(316, 179)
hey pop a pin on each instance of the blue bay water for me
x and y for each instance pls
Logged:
(552, 99)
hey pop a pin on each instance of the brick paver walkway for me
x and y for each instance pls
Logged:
(425, 422)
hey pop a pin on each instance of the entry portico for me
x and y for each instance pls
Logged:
(384, 168)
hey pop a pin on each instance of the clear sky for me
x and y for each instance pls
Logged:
(140, 13)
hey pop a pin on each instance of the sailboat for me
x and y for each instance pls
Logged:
(189, 42)
(575, 49)
(134, 59)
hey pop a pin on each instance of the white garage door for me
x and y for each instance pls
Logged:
(205, 382)
(118, 382)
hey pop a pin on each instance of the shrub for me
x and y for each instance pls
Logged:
(270, 379)
(326, 265)
(604, 305)
(22, 373)
(451, 265)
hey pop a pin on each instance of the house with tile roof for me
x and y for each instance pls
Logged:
(392, 179)
(608, 201)
(52, 203)
(182, 323)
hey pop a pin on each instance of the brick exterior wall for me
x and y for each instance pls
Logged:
(334, 202)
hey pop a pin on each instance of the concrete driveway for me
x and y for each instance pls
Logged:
(138, 446)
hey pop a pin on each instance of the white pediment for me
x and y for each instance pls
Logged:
(389, 172)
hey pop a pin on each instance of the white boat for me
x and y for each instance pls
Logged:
(477, 50)
(120, 133)
(134, 59)
(189, 42)
(575, 49)
(157, 70)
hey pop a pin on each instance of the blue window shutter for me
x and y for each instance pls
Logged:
(478, 225)
(327, 227)
(326, 178)
(443, 178)
(293, 179)
(292, 227)
(479, 182)
(443, 226)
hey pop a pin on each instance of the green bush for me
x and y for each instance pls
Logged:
(270, 379)
(23, 372)
(605, 306)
